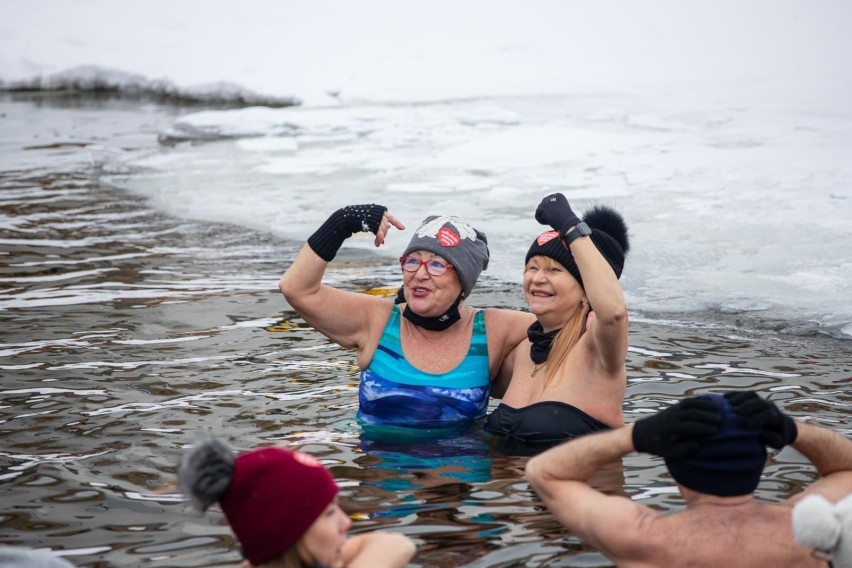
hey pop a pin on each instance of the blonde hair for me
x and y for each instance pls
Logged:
(569, 335)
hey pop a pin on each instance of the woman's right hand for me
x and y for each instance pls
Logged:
(344, 223)
(384, 227)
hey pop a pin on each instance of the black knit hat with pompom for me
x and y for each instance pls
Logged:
(609, 233)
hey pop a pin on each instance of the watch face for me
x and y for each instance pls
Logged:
(584, 229)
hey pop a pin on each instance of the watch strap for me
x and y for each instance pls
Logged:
(581, 229)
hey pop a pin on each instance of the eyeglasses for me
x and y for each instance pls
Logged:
(433, 266)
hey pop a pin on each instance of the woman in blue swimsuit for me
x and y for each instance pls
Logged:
(430, 361)
(569, 375)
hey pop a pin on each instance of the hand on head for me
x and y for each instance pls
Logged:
(677, 431)
(779, 429)
(555, 211)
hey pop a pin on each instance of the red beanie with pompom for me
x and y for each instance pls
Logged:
(274, 497)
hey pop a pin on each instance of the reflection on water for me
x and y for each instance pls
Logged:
(125, 334)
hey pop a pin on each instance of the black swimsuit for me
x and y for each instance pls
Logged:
(542, 424)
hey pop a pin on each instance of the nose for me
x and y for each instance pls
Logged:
(539, 276)
(346, 522)
(421, 272)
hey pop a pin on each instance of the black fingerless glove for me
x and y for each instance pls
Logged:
(555, 211)
(675, 432)
(779, 429)
(342, 224)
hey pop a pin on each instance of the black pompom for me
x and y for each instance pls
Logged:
(206, 472)
(610, 221)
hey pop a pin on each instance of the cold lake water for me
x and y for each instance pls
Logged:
(141, 244)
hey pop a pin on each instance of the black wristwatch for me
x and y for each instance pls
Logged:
(575, 232)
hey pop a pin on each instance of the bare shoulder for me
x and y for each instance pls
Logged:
(623, 528)
(378, 549)
(506, 328)
(504, 319)
(757, 535)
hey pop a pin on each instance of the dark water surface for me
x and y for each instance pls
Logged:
(125, 333)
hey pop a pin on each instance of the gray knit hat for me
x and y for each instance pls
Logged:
(457, 241)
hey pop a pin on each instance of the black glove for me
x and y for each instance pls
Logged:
(555, 211)
(779, 429)
(342, 224)
(675, 432)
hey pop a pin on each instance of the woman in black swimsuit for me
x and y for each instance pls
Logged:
(569, 376)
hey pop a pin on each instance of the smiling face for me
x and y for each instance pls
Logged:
(553, 295)
(322, 544)
(429, 295)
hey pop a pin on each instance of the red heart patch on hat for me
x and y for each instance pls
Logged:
(546, 237)
(448, 237)
(306, 459)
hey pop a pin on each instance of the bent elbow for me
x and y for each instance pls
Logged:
(290, 288)
(294, 297)
(284, 286)
(534, 472)
(615, 317)
(406, 549)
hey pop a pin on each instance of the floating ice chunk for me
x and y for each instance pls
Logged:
(268, 144)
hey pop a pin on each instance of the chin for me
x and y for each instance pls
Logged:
(423, 308)
(537, 306)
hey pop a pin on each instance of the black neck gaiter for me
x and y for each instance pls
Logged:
(541, 340)
(436, 323)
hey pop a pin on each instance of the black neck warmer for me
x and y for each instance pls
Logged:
(436, 323)
(541, 340)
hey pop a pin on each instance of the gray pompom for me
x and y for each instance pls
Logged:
(205, 472)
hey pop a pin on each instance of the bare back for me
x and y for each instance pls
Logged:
(756, 535)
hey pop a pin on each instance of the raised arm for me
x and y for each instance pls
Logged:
(617, 526)
(560, 477)
(344, 317)
(608, 326)
(830, 452)
(831, 455)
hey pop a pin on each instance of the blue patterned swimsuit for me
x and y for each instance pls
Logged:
(394, 392)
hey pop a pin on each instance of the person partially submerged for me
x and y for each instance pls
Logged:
(569, 374)
(714, 448)
(282, 506)
(431, 360)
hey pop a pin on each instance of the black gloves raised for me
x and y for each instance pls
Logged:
(676, 431)
(555, 211)
(779, 429)
(342, 224)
